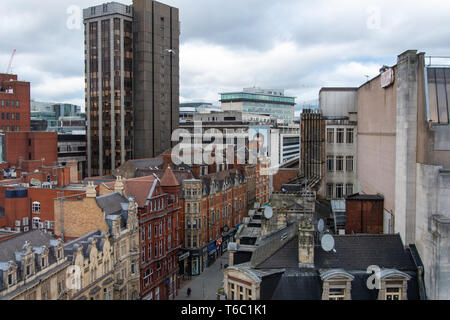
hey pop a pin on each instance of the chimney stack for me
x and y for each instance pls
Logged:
(91, 192)
(305, 244)
(118, 185)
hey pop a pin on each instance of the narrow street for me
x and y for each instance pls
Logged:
(205, 285)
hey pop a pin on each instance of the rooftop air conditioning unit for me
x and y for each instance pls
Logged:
(17, 229)
(25, 221)
(41, 225)
(17, 223)
(26, 229)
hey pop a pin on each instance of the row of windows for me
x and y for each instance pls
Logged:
(158, 249)
(10, 103)
(237, 292)
(339, 163)
(157, 226)
(10, 116)
(167, 265)
(339, 136)
(10, 128)
(339, 190)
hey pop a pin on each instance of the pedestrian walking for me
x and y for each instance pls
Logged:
(188, 292)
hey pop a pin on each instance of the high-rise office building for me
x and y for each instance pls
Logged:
(132, 82)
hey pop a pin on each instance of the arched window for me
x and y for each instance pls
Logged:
(36, 207)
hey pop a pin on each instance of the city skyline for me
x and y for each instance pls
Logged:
(260, 53)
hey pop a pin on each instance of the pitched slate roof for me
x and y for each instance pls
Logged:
(36, 238)
(110, 203)
(385, 251)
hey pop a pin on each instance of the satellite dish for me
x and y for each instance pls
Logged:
(327, 242)
(320, 225)
(268, 213)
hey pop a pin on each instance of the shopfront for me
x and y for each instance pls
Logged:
(212, 253)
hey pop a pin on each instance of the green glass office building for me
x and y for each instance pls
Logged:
(260, 101)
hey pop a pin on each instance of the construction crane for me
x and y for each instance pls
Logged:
(10, 62)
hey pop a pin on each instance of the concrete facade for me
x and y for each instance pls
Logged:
(156, 31)
(403, 154)
(339, 109)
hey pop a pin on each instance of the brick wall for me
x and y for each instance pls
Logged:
(364, 216)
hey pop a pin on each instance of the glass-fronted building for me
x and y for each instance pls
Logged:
(260, 101)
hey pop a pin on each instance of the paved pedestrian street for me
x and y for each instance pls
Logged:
(205, 285)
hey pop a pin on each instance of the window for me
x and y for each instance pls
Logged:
(349, 163)
(340, 135)
(149, 231)
(36, 207)
(393, 293)
(156, 230)
(156, 250)
(17, 116)
(169, 224)
(330, 163)
(330, 135)
(42, 262)
(147, 276)
(350, 135)
(161, 228)
(36, 223)
(17, 103)
(142, 234)
(169, 241)
(160, 247)
(143, 254)
(339, 163)
(339, 190)
(336, 294)
(149, 252)
(348, 189)
(133, 267)
(10, 277)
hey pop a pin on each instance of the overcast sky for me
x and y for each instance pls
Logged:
(225, 45)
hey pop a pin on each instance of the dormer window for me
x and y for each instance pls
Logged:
(11, 279)
(393, 285)
(393, 293)
(336, 284)
(28, 270)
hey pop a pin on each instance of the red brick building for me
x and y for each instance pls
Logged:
(160, 215)
(364, 214)
(14, 104)
(24, 206)
(28, 150)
